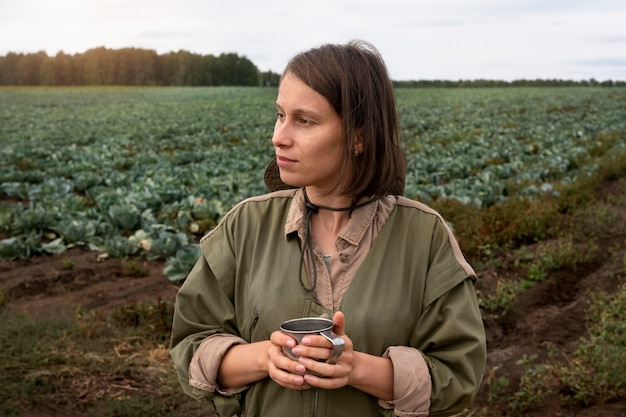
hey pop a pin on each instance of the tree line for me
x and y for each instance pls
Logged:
(131, 66)
(480, 83)
(142, 67)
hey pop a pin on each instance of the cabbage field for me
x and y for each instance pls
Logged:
(147, 171)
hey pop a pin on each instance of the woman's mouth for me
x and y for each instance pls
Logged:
(283, 162)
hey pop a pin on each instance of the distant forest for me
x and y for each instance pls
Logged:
(142, 67)
(131, 66)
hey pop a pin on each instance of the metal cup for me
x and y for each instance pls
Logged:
(298, 328)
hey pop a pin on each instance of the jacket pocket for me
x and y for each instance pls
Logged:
(253, 326)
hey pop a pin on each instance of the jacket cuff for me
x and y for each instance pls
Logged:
(411, 382)
(206, 362)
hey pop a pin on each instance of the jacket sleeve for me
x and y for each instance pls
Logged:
(450, 331)
(204, 308)
(411, 383)
(454, 348)
(206, 362)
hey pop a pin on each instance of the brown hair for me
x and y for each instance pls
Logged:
(354, 79)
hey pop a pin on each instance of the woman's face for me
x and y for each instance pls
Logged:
(307, 136)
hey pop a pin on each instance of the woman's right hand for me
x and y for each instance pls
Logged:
(282, 369)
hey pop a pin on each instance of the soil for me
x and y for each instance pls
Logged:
(79, 280)
(550, 312)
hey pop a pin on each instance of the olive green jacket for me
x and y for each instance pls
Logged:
(412, 289)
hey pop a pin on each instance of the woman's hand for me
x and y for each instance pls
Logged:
(370, 374)
(313, 352)
(282, 369)
(332, 376)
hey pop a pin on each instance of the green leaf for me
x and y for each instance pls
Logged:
(76, 231)
(125, 216)
(178, 267)
(54, 247)
(119, 246)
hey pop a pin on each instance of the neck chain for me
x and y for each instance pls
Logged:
(314, 208)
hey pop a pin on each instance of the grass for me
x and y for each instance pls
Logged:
(596, 371)
(96, 364)
(560, 235)
(593, 373)
(134, 268)
(504, 297)
(30, 350)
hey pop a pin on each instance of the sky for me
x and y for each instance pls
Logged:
(418, 39)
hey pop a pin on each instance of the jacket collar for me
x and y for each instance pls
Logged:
(360, 220)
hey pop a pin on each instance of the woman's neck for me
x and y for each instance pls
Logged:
(329, 215)
(339, 202)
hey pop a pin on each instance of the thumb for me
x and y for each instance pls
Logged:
(339, 321)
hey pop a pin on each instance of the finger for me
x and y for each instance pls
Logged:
(323, 382)
(319, 369)
(285, 371)
(313, 352)
(281, 339)
(288, 380)
(323, 375)
(340, 323)
(281, 361)
(318, 341)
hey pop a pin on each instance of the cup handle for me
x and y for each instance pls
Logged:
(338, 345)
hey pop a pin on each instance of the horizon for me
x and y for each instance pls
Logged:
(260, 70)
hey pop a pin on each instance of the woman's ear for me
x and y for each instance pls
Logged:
(358, 142)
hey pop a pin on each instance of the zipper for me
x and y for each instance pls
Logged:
(316, 396)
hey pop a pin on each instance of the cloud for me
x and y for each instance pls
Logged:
(431, 38)
(447, 23)
(613, 39)
(544, 8)
(603, 62)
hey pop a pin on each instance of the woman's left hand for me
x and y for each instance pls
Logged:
(334, 375)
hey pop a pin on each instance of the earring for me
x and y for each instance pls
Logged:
(356, 152)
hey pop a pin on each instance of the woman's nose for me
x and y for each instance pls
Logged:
(282, 134)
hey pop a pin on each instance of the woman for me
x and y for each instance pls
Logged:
(335, 239)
